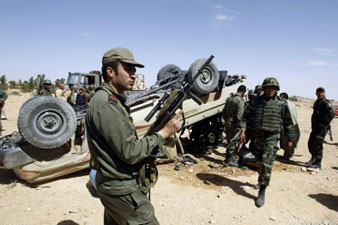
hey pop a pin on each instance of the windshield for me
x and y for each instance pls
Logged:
(73, 78)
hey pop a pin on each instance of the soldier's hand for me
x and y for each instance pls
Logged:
(173, 125)
(242, 136)
(290, 143)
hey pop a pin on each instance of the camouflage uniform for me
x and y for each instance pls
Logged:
(3, 97)
(322, 114)
(249, 130)
(43, 91)
(118, 155)
(232, 114)
(268, 116)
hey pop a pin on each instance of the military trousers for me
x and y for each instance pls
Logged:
(230, 132)
(315, 143)
(130, 209)
(265, 147)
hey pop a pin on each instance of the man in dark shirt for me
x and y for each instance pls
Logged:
(320, 124)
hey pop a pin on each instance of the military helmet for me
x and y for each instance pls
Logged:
(251, 92)
(270, 81)
(48, 82)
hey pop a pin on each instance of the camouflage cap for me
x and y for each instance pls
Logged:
(120, 54)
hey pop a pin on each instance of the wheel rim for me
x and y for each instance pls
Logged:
(206, 76)
(49, 122)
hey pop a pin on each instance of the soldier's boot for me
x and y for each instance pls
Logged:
(261, 196)
(312, 161)
(316, 165)
(230, 161)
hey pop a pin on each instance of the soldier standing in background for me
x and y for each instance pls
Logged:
(320, 124)
(3, 97)
(46, 89)
(117, 153)
(288, 152)
(232, 115)
(268, 114)
(258, 90)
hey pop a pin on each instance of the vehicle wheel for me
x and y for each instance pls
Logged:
(207, 81)
(46, 122)
(167, 72)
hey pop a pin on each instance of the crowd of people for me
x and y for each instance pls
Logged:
(74, 96)
(269, 121)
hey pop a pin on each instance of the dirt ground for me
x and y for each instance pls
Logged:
(195, 195)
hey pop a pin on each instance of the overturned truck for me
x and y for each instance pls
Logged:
(51, 141)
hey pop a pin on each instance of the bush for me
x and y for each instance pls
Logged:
(15, 93)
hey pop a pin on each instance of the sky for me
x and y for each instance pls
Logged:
(295, 41)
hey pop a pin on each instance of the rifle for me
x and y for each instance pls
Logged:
(233, 140)
(174, 101)
(330, 133)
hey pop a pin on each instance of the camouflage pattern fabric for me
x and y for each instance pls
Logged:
(43, 92)
(266, 146)
(268, 116)
(232, 115)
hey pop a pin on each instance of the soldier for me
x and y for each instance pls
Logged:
(258, 90)
(232, 115)
(320, 123)
(288, 152)
(249, 130)
(3, 97)
(46, 88)
(117, 153)
(268, 114)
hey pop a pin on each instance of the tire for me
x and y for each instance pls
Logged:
(207, 81)
(168, 71)
(46, 122)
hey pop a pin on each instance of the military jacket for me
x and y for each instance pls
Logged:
(322, 113)
(233, 110)
(3, 96)
(117, 152)
(269, 116)
(43, 92)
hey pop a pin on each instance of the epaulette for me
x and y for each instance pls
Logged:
(112, 99)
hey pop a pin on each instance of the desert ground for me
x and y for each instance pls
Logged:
(195, 195)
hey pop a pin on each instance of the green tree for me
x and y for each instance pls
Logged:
(12, 84)
(59, 81)
(3, 83)
(31, 84)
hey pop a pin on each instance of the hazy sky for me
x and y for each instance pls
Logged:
(293, 40)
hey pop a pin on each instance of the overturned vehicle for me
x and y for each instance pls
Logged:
(51, 141)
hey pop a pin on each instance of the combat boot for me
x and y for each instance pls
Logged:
(261, 196)
(231, 161)
(312, 161)
(315, 166)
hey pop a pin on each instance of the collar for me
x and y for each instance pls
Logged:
(121, 98)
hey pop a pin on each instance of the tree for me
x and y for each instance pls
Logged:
(12, 84)
(3, 83)
(31, 84)
(59, 81)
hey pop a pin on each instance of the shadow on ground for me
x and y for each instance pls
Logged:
(67, 222)
(218, 180)
(290, 162)
(7, 177)
(328, 200)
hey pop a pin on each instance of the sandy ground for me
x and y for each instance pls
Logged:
(193, 195)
